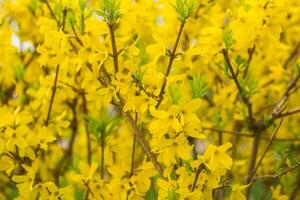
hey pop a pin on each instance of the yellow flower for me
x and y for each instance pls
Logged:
(165, 121)
(87, 171)
(156, 50)
(170, 149)
(237, 192)
(216, 157)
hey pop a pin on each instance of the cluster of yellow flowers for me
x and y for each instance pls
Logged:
(149, 99)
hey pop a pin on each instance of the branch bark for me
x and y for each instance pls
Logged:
(171, 60)
(52, 96)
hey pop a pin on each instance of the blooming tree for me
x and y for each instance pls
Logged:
(149, 99)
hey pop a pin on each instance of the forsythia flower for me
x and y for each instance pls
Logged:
(152, 99)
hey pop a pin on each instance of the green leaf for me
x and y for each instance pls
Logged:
(240, 62)
(71, 18)
(62, 182)
(260, 191)
(198, 87)
(175, 94)
(79, 195)
(249, 89)
(298, 68)
(103, 124)
(151, 193)
(109, 10)
(93, 125)
(58, 9)
(227, 37)
(188, 166)
(112, 125)
(19, 72)
(172, 195)
(184, 9)
(82, 4)
(33, 4)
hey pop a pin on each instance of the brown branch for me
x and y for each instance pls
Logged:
(88, 190)
(50, 10)
(229, 132)
(171, 60)
(197, 173)
(250, 56)
(245, 100)
(253, 156)
(278, 106)
(115, 53)
(275, 176)
(85, 111)
(67, 157)
(296, 189)
(137, 132)
(102, 154)
(52, 96)
(76, 36)
(256, 126)
(287, 113)
(133, 151)
(292, 56)
(144, 144)
(266, 150)
(233, 75)
(237, 133)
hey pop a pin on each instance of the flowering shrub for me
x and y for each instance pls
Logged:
(149, 99)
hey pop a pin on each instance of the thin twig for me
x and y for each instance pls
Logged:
(133, 151)
(245, 100)
(268, 147)
(144, 144)
(85, 111)
(52, 96)
(65, 161)
(229, 132)
(137, 132)
(237, 133)
(50, 10)
(250, 56)
(88, 190)
(102, 154)
(275, 176)
(197, 173)
(171, 60)
(115, 53)
(278, 106)
(292, 56)
(287, 113)
(235, 79)
(77, 37)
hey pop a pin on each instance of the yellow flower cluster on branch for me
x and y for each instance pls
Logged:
(149, 99)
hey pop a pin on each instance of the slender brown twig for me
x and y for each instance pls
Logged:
(250, 56)
(85, 111)
(50, 10)
(268, 147)
(52, 96)
(115, 53)
(292, 56)
(137, 132)
(287, 113)
(197, 173)
(245, 100)
(249, 135)
(275, 176)
(171, 60)
(277, 109)
(133, 151)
